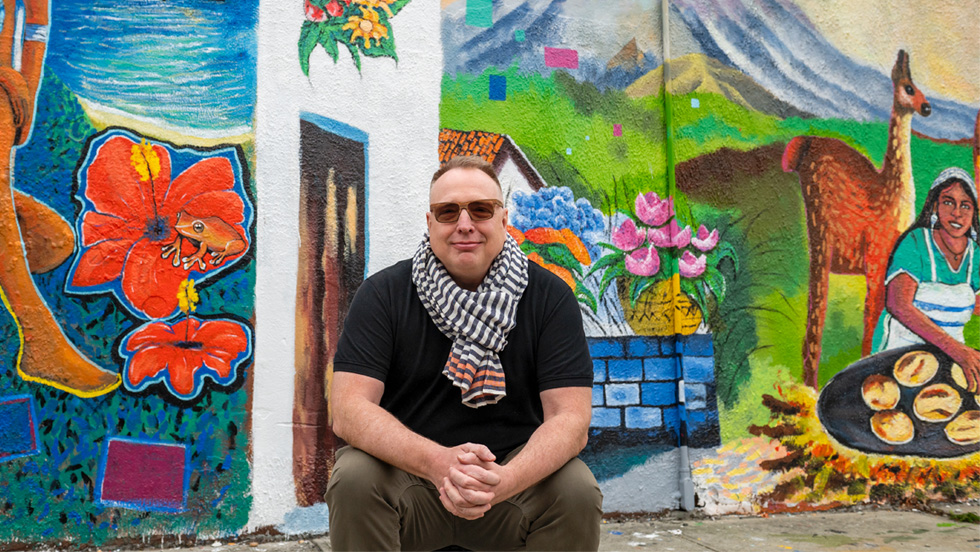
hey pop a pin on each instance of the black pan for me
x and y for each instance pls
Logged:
(846, 417)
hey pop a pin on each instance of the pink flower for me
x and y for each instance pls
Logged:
(645, 261)
(314, 13)
(670, 235)
(681, 238)
(691, 266)
(660, 236)
(705, 241)
(627, 237)
(652, 210)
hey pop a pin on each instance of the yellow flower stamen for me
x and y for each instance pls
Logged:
(366, 26)
(145, 160)
(187, 297)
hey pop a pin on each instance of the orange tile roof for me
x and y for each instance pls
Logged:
(475, 142)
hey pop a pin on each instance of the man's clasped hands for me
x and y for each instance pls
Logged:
(469, 480)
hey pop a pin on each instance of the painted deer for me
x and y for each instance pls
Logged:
(855, 213)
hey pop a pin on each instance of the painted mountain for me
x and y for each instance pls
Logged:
(770, 41)
(773, 42)
(610, 53)
(700, 73)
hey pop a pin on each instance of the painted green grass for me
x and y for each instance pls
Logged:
(547, 115)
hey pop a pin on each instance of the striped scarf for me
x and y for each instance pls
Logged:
(477, 322)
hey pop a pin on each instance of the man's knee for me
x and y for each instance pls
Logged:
(574, 487)
(356, 476)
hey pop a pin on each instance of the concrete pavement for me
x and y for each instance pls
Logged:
(861, 528)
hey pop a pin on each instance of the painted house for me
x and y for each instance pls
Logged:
(513, 168)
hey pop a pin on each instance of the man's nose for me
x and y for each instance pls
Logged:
(464, 223)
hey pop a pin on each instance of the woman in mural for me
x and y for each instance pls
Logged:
(934, 276)
(46, 355)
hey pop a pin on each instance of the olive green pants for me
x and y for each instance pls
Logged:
(375, 506)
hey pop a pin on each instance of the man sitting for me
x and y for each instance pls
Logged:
(463, 385)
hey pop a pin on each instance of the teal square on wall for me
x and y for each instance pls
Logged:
(479, 13)
(519, 35)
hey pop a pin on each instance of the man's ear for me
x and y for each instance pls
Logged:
(504, 218)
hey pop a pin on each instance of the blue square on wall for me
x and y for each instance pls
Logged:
(18, 430)
(498, 87)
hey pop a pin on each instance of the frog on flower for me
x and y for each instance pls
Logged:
(144, 230)
(646, 244)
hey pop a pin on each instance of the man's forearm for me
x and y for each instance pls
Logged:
(374, 430)
(556, 441)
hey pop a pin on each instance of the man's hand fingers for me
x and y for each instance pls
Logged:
(485, 477)
(457, 505)
(470, 489)
(481, 451)
(463, 480)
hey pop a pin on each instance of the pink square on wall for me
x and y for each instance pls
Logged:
(561, 57)
(144, 475)
(617, 130)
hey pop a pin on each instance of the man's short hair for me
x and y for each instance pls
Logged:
(466, 162)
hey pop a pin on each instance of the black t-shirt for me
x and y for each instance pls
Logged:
(388, 335)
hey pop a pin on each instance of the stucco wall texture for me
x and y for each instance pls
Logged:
(196, 189)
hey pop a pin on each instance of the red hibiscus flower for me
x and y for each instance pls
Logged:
(182, 355)
(131, 242)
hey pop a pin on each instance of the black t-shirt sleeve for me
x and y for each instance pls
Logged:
(366, 344)
(563, 354)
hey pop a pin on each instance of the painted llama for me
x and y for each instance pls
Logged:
(855, 213)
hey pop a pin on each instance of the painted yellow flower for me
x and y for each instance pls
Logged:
(367, 27)
(383, 4)
(145, 160)
(187, 296)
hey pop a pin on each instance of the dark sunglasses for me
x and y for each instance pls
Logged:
(479, 210)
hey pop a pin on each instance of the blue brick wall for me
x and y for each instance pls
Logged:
(634, 392)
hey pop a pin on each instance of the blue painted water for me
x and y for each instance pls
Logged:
(186, 64)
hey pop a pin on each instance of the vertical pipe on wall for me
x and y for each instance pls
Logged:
(684, 472)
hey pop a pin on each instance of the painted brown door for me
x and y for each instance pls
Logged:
(331, 266)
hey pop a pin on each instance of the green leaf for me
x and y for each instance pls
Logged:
(616, 270)
(353, 53)
(309, 34)
(397, 6)
(585, 296)
(328, 40)
(605, 261)
(529, 247)
(638, 286)
(715, 282)
(695, 292)
(559, 254)
(722, 251)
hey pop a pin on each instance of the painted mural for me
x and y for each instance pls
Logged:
(332, 255)
(760, 230)
(353, 24)
(127, 222)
